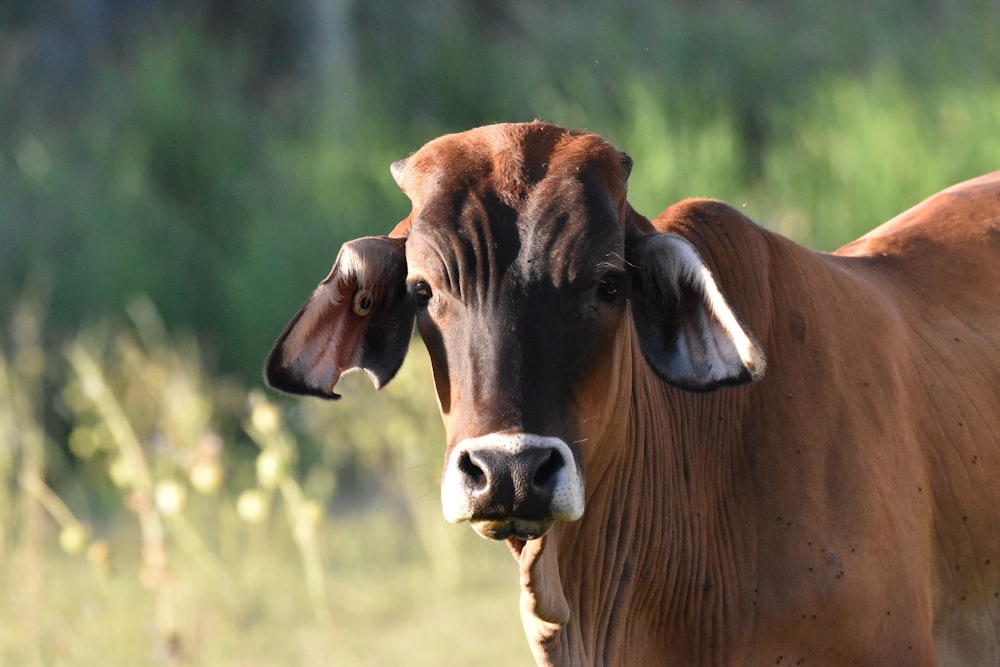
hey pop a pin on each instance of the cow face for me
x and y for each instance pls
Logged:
(518, 263)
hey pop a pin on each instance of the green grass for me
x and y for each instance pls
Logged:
(387, 607)
(139, 560)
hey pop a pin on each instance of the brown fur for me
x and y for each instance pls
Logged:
(843, 510)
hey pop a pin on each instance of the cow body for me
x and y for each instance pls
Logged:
(837, 508)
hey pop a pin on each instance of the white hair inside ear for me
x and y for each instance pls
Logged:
(689, 331)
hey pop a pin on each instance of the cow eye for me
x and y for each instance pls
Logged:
(422, 293)
(608, 288)
(363, 303)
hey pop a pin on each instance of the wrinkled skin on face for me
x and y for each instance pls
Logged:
(519, 284)
(520, 256)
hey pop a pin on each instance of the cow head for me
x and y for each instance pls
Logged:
(528, 275)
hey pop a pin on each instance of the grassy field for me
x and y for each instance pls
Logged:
(385, 605)
(177, 540)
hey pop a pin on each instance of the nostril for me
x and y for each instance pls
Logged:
(473, 473)
(548, 469)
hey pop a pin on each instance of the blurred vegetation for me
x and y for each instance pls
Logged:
(175, 177)
(181, 522)
(214, 155)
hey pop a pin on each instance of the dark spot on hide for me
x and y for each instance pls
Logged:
(798, 326)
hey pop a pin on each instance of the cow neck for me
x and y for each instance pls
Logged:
(686, 471)
(667, 515)
(696, 520)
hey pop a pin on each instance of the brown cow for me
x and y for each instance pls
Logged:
(842, 510)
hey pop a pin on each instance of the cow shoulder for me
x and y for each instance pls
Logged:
(933, 251)
(959, 219)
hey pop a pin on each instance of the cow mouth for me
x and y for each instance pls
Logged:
(514, 531)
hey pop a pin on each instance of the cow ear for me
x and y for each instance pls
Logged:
(358, 318)
(687, 330)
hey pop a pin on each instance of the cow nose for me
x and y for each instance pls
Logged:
(512, 484)
(504, 484)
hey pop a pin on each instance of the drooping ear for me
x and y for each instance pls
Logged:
(687, 329)
(358, 318)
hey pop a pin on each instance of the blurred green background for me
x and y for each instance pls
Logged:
(175, 177)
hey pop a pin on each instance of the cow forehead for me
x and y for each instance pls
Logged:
(511, 158)
(555, 237)
(532, 194)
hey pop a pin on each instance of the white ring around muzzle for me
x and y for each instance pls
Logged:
(567, 497)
